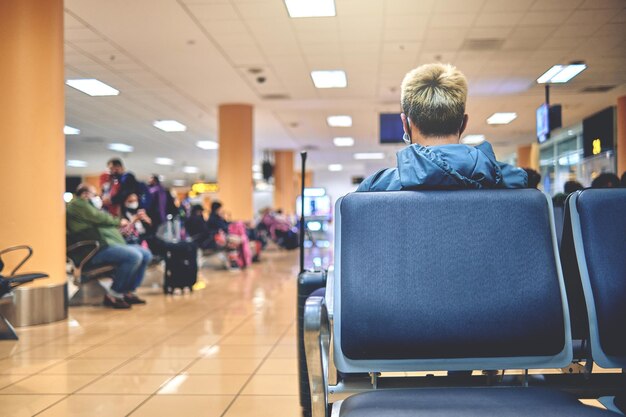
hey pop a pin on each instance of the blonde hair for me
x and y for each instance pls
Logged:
(433, 98)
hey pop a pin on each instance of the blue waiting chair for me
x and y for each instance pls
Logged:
(598, 223)
(440, 280)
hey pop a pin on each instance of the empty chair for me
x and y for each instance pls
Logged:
(441, 280)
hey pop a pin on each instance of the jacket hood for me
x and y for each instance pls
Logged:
(453, 166)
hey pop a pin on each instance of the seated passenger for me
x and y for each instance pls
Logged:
(433, 115)
(139, 224)
(534, 178)
(198, 230)
(605, 180)
(86, 222)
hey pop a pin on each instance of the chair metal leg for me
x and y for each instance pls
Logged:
(7, 332)
(316, 347)
(89, 293)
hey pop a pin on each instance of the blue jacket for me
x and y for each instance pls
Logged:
(446, 167)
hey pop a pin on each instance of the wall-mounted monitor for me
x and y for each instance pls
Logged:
(314, 206)
(543, 122)
(391, 130)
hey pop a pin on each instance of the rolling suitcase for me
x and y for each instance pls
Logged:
(181, 266)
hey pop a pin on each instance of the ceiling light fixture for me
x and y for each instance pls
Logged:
(164, 161)
(329, 79)
(501, 118)
(335, 167)
(207, 145)
(343, 141)
(308, 8)
(369, 155)
(559, 74)
(169, 126)
(69, 130)
(190, 170)
(258, 176)
(120, 147)
(76, 163)
(179, 183)
(339, 121)
(92, 87)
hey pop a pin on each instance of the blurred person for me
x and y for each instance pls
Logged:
(623, 180)
(161, 202)
(217, 219)
(86, 222)
(236, 235)
(433, 100)
(606, 180)
(117, 184)
(139, 226)
(568, 188)
(534, 178)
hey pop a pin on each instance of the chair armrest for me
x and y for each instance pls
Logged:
(95, 246)
(19, 247)
(330, 291)
(316, 347)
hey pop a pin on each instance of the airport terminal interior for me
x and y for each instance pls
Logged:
(181, 232)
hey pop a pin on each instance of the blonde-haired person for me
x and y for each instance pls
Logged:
(433, 117)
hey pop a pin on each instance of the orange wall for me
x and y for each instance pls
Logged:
(234, 175)
(32, 144)
(528, 156)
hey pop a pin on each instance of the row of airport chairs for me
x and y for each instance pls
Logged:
(461, 281)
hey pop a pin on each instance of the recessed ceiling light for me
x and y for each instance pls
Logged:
(67, 197)
(69, 130)
(179, 183)
(256, 168)
(190, 170)
(343, 141)
(472, 139)
(559, 74)
(164, 161)
(92, 87)
(501, 118)
(329, 79)
(169, 126)
(207, 145)
(76, 163)
(120, 147)
(369, 155)
(339, 121)
(308, 8)
(335, 167)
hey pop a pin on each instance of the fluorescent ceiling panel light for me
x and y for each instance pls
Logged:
(121, 147)
(164, 161)
(472, 139)
(256, 168)
(92, 87)
(343, 141)
(335, 167)
(559, 74)
(369, 155)
(329, 79)
(69, 130)
(179, 183)
(257, 176)
(76, 163)
(310, 8)
(190, 170)
(169, 126)
(314, 192)
(207, 145)
(501, 118)
(339, 121)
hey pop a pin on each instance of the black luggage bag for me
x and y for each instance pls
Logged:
(181, 266)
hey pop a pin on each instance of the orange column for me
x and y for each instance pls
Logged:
(284, 179)
(528, 156)
(621, 135)
(234, 175)
(32, 144)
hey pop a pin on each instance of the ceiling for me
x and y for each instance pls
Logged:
(181, 59)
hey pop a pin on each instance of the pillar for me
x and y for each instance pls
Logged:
(32, 144)
(528, 156)
(234, 175)
(284, 180)
(621, 135)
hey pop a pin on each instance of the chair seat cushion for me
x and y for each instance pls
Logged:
(467, 402)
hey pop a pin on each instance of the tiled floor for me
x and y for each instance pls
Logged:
(227, 350)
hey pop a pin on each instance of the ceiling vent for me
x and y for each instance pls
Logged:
(275, 97)
(483, 44)
(92, 139)
(597, 89)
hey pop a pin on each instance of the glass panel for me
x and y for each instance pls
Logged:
(568, 156)
(546, 167)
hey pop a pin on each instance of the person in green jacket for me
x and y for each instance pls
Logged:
(85, 221)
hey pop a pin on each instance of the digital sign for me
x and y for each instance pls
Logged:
(599, 132)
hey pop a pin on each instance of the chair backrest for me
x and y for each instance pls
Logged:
(448, 280)
(598, 219)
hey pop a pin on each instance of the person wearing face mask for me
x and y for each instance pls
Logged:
(117, 184)
(139, 223)
(433, 116)
(85, 221)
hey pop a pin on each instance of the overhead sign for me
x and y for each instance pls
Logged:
(205, 187)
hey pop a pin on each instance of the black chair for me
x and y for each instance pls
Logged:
(85, 276)
(440, 281)
(11, 281)
(598, 224)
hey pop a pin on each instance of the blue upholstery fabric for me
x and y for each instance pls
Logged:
(468, 402)
(603, 226)
(448, 274)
